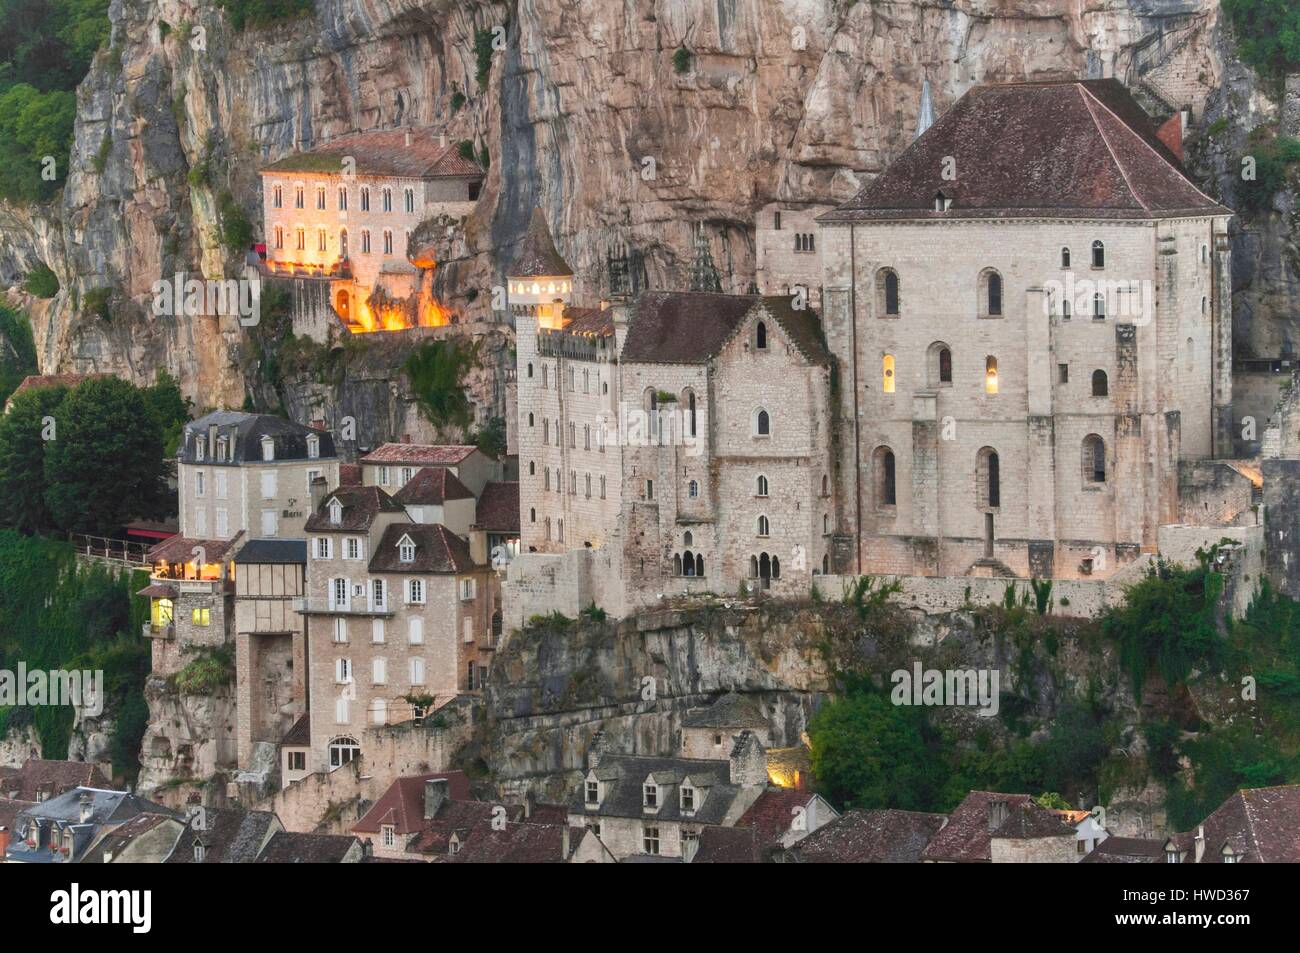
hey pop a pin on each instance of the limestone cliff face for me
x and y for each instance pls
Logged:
(588, 110)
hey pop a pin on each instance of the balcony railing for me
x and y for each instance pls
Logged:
(163, 632)
(309, 606)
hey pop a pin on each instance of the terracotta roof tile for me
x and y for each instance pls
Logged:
(1260, 824)
(402, 805)
(728, 845)
(421, 454)
(772, 814)
(40, 780)
(1069, 149)
(432, 486)
(498, 507)
(384, 152)
(1127, 850)
(437, 550)
(870, 837)
(361, 504)
(967, 836)
(180, 549)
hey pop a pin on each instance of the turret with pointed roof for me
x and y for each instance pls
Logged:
(537, 256)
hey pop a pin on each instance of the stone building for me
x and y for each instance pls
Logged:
(1031, 314)
(340, 220)
(393, 465)
(398, 621)
(786, 253)
(679, 441)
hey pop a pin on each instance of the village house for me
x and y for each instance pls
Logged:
(1253, 826)
(223, 836)
(393, 465)
(66, 828)
(398, 621)
(343, 221)
(988, 827)
(867, 837)
(638, 808)
(1033, 331)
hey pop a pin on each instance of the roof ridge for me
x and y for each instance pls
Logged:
(1088, 99)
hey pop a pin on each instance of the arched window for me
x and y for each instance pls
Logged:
(990, 375)
(1065, 257)
(343, 304)
(699, 564)
(1100, 386)
(544, 375)
(883, 471)
(1099, 307)
(762, 423)
(530, 369)
(677, 564)
(761, 486)
(939, 364)
(826, 523)
(532, 467)
(1098, 254)
(764, 527)
(1094, 459)
(826, 485)
(343, 750)
(688, 539)
(692, 489)
(887, 297)
(887, 373)
(343, 243)
(532, 514)
(548, 479)
(990, 294)
(760, 336)
(988, 479)
(690, 410)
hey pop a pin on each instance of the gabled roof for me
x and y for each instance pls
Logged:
(870, 837)
(624, 776)
(299, 736)
(537, 256)
(1080, 149)
(361, 504)
(732, 710)
(432, 486)
(180, 549)
(1262, 825)
(498, 507)
(772, 815)
(437, 550)
(1126, 850)
(37, 381)
(967, 837)
(402, 805)
(245, 432)
(728, 845)
(692, 327)
(288, 847)
(385, 152)
(515, 843)
(123, 835)
(420, 454)
(39, 780)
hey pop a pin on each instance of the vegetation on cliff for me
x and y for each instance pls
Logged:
(1268, 33)
(17, 351)
(436, 372)
(55, 614)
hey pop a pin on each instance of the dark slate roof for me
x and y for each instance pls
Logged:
(1081, 149)
(1127, 850)
(691, 327)
(385, 152)
(624, 775)
(432, 486)
(228, 837)
(967, 836)
(268, 551)
(537, 256)
(498, 507)
(123, 835)
(299, 736)
(514, 844)
(437, 550)
(402, 805)
(246, 432)
(107, 807)
(1261, 824)
(728, 845)
(731, 710)
(39, 780)
(419, 454)
(361, 504)
(869, 837)
(286, 847)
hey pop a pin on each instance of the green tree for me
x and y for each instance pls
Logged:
(22, 459)
(171, 411)
(34, 125)
(1268, 33)
(105, 465)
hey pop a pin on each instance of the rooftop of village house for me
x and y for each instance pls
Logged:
(396, 153)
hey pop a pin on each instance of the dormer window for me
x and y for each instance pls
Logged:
(198, 449)
(336, 512)
(313, 447)
(593, 792)
(222, 447)
(1173, 857)
(688, 799)
(268, 449)
(650, 795)
(406, 550)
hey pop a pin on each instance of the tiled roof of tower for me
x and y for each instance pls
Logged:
(966, 838)
(384, 152)
(1077, 149)
(402, 805)
(432, 486)
(593, 322)
(299, 736)
(691, 327)
(437, 550)
(870, 837)
(537, 255)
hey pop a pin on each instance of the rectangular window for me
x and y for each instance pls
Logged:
(201, 617)
(379, 671)
(339, 594)
(417, 671)
(593, 792)
(377, 596)
(1063, 373)
(650, 840)
(415, 631)
(377, 631)
(466, 589)
(342, 671)
(352, 548)
(223, 529)
(340, 630)
(198, 482)
(220, 478)
(415, 591)
(201, 523)
(269, 486)
(297, 761)
(270, 523)
(322, 547)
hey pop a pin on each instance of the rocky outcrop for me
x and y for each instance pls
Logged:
(189, 746)
(626, 123)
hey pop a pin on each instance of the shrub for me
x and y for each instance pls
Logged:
(682, 60)
(1268, 33)
(41, 281)
(236, 230)
(210, 669)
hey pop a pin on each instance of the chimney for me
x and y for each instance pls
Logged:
(408, 138)
(4, 840)
(620, 312)
(1171, 132)
(998, 812)
(597, 749)
(435, 794)
(406, 438)
(442, 140)
(317, 491)
(748, 761)
(1200, 843)
(87, 805)
(212, 442)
